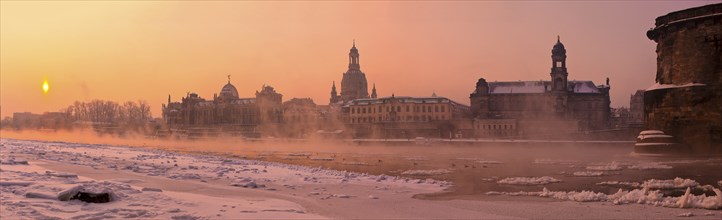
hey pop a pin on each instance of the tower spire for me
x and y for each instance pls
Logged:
(334, 95)
(558, 40)
(373, 92)
(353, 57)
(229, 79)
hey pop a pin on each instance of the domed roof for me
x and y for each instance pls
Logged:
(353, 49)
(558, 48)
(229, 90)
(481, 82)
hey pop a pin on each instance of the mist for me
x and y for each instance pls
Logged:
(465, 163)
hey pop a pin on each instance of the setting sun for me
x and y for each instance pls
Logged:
(45, 86)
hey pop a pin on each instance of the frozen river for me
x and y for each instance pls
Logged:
(476, 170)
(194, 180)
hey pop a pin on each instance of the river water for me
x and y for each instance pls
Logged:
(476, 169)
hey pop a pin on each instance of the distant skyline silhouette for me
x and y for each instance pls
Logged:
(127, 51)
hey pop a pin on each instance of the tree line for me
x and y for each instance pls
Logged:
(108, 112)
(97, 113)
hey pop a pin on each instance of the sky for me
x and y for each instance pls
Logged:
(147, 50)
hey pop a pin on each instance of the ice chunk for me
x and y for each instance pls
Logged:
(686, 214)
(552, 161)
(528, 180)
(619, 183)
(589, 173)
(676, 183)
(613, 166)
(650, 166)
(684, 199)
(426, 172)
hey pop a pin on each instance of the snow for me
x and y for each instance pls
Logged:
(613, 166)
(589, 173)
(155, 184)
(685, 214)
(651, 132)
(658, 86)
(528, 180)
(639, 196)
(426, 172)
(619, 183)
(355, 163)
(650, 166)
(676, 183)
(479, 160)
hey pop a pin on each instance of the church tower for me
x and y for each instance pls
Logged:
(373, 92)
(559, 67)
(334, 95)
(353, 84)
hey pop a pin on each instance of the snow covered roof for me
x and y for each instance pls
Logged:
(244, 101)
(402, 99)
(657, 86)
(528, 87)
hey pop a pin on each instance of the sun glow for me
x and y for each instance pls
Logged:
(46, 87)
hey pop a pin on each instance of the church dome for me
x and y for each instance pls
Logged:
(353, 48)
(558, 48)
(229, 90)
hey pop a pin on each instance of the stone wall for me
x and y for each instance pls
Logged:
(687, 103)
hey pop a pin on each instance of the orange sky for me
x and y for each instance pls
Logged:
(127, 50)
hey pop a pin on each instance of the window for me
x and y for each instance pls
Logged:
(559, 64)
(407, 108)
(443, 108)
(436, 108)
(353, 110)
(398, 108)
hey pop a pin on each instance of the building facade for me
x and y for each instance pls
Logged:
(225, 113)
(405, 117)
(530, 108)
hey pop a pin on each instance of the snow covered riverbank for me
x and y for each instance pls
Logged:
(37, 177)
